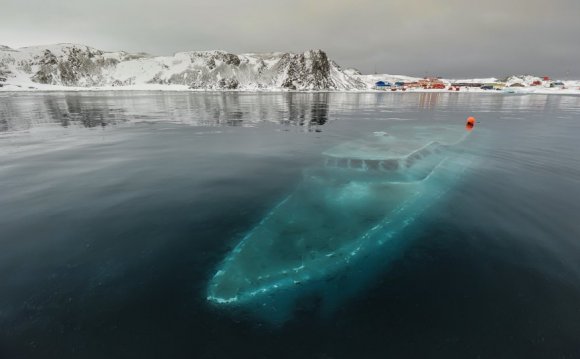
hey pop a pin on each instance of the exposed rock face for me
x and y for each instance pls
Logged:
(83, 66)
(77, 66)
(230, 84)
(4, 65)
(310, 69)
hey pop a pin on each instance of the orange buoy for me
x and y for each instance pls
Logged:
(470, 123)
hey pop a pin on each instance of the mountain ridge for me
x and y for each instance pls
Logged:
(76, 65)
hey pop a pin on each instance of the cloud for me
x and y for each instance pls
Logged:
(446, 37)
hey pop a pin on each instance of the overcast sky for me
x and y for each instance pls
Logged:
(452, 38)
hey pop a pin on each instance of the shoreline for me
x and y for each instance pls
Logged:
(178, 88)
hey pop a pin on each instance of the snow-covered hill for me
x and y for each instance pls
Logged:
(71, 65)
(80, 67)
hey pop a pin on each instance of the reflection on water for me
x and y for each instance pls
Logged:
(22, 111)
(309, 110)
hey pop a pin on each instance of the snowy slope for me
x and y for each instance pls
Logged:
(80, 67)
(74, 65)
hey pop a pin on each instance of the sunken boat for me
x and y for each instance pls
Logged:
(344, 220)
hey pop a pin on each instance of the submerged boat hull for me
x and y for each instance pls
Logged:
(339, 221)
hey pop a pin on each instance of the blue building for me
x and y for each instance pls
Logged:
(381, 85)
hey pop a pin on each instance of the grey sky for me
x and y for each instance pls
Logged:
(451, 38)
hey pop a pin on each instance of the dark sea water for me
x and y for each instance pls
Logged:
(117, 208)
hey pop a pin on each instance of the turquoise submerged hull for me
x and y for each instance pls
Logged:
(340, 226)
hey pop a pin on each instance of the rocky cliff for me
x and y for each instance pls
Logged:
(71, 65)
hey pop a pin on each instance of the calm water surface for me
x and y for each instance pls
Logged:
(116, 208)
